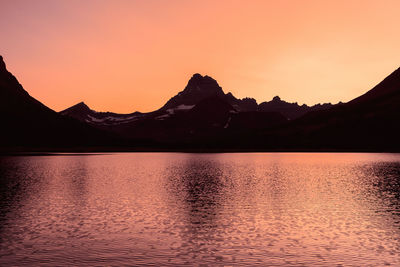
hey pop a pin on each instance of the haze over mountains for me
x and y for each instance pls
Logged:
(204, 117)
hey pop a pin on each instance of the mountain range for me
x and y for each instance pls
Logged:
(201, 109)
(203, 117)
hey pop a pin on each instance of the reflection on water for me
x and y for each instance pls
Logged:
(188, 209)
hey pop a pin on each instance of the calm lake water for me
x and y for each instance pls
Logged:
(269, 209)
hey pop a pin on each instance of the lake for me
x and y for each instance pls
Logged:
(171, 209)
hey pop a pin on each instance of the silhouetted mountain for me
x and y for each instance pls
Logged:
(200, 87)
(28, 123)
(290, 110)
(203, 117)
(83, 113)
(79, 110)
(245, 104)
(389, 87)
(197, 89)
(369, 122)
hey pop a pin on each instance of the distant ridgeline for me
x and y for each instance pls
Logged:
(203, 118)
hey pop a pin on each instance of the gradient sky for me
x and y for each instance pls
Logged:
(124, 56)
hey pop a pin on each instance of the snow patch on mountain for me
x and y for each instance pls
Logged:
(109, 120)
(181, 107)
(162, 117)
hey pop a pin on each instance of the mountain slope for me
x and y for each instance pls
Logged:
(385, 89)
(28, 123)
(369, 122)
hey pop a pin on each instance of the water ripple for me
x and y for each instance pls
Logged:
(172, 209)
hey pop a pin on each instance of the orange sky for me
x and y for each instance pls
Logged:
(124, 56)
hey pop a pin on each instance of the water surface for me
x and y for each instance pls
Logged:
(268, 209)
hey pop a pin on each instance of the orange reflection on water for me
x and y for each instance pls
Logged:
(171, 209)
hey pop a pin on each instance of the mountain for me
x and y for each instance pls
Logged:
(197, 90)
(83, 113)
(200, 87)
(389, 87)
(28, 123)
(290, 110)
(202, 110)
(204, 118)
(368, 123)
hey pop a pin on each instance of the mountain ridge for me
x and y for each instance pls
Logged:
(205, 121)
(200, 87)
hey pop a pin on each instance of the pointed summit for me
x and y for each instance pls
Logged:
(196, 76)
(198, 88)
(2, 64)
(203, 83)
(81, 105)
(80, 108)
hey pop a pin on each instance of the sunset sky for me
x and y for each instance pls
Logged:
(124, 56)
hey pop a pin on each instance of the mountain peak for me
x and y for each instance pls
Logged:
(198, 88)
(203, 83)
(81, 104)
(2, 64)
(80, 107)
(276, 98)
(196, 76)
